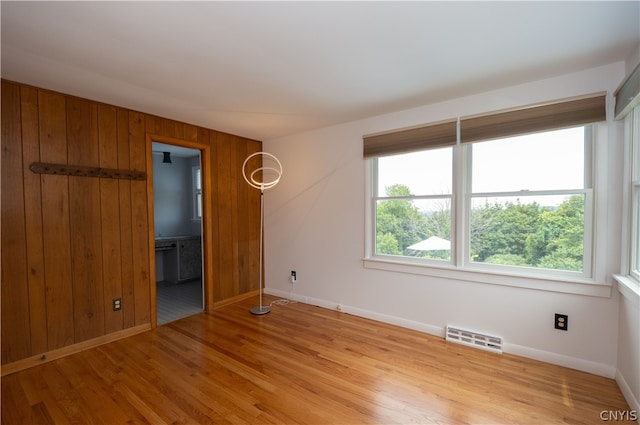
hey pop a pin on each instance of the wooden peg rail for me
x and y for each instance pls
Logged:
(82, 171)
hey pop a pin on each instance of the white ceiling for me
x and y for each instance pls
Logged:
(268, 69)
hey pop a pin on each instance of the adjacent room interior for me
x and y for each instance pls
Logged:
(177, 210)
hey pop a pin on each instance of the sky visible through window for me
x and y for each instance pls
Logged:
(541, 161)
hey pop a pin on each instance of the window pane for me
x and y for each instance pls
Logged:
(198, 180)
(414, 227)
(635, 239)
(423, 173)
(552, 160)
(635, 193)
(635, 144)
(197, 192)
(537, 231)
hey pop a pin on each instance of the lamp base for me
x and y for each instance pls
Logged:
(260, 310)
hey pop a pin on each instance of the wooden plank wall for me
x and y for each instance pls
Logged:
(72, 244)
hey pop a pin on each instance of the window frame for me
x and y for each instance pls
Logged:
(634, 269)
(629, 277)
(590, 281)
(631, 207)
(634, 266)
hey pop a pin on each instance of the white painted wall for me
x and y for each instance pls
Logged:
(628, 374)
(314, 224)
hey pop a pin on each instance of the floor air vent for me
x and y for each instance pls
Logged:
(474, 339)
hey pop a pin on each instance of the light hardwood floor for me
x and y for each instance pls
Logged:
(299, 365)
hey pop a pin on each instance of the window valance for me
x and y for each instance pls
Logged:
(528, 119)
(628, 94)
(430, 136)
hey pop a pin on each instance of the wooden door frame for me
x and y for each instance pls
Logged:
(207, 235)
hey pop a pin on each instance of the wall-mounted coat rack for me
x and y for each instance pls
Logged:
(82, 171)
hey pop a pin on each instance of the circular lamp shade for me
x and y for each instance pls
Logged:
(267, 175)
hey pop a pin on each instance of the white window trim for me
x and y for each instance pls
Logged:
(634, 270)
(493, 277)
(595, 284)
(628, 282)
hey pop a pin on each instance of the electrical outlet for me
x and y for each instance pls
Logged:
(117, 304)
(294, 276)
(561, 322)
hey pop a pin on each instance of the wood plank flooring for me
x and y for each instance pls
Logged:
(299, 365)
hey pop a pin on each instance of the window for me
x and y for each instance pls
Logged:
(197, 193)
(413, 204)
(501, 199)
(528, 200)
(634, 118)
(528, 197)
(627, 108)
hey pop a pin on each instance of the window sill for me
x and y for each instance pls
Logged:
(544, 283)
(629, 288)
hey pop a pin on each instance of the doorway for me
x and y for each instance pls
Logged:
(177, 217)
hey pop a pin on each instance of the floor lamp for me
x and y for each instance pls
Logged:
(270, 175)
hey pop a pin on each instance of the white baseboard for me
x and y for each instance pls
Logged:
(588, 366)
(633, 402)
(519, 350)
(367, 314)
